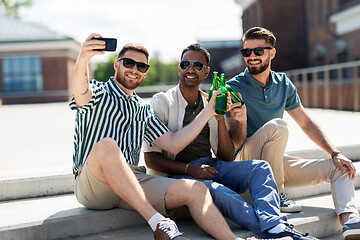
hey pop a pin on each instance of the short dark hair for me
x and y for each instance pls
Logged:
(260, 33)
(197, 47)
(135, 47)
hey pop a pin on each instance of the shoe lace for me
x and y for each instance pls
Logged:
(284, 200)
(169, 227)
(291, 229)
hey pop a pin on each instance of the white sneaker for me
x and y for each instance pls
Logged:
(287, 205)
(167, 230)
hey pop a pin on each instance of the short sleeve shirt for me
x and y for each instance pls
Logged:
(111, 113)
(264, 103)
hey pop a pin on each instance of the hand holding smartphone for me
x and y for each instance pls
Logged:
(110, 44)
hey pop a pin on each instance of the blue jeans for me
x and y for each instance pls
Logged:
(237, 177)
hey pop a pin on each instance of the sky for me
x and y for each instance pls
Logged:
(164, 27)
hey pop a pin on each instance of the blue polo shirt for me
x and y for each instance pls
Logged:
(265, 102)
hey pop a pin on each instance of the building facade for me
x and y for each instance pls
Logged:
(309, 32)
(36, 64)
(225, 57)
(318, 46)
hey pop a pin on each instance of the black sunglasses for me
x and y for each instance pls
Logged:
(259, 51)
(198, 66)
(129, 63)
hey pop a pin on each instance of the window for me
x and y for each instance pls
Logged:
(22, 73)
(320, 12)
(311, 13)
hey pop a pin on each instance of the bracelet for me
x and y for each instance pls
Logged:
(334, 153)
(186, 168)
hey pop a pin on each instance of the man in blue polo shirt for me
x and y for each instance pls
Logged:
(267, 95)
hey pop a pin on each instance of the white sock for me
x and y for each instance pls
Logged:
(277, 229)
(154, 220)
(353, 220)
(237, 238)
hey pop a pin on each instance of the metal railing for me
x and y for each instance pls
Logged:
(333, 86)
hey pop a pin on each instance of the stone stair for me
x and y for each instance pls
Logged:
(45, 207)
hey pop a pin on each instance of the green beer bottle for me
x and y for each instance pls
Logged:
(214, 85)
(221, 98)
(234, 97)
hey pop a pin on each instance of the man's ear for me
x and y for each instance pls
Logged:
(272, 53)
(116, 65)
(207, 72)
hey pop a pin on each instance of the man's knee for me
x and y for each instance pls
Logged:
(104, 151)
(261, 166)
(105, 144)
(278, 126)
(192, 188)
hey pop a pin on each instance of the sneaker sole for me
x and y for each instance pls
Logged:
(351, 234)
(290, 209)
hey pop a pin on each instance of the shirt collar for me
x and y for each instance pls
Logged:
(118, 92)
(254, 82)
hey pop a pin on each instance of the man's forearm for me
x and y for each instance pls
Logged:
(159, 162)
(186, 135)
(176, 142)
(238, 133)
(313, 131)
(225, 151)
(82, 93)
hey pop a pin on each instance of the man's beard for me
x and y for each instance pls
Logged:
(261, 69)
(131, 85)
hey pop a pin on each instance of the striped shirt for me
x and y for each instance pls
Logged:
(112, 113)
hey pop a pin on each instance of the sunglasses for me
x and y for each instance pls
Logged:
(129, 63)
(259, 51)
(198, 66)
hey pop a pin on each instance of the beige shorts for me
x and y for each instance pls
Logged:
(94, 194)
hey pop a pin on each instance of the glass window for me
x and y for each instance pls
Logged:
(22, 73)
(311, 13)
(320, 13)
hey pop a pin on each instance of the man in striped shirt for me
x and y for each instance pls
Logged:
(111, 123)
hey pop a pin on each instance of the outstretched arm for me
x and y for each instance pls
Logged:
(82, 92)
(313, 131)
(175, 142)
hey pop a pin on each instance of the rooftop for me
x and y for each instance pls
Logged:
(16, 30)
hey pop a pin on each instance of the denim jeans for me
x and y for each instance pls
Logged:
(237, 177)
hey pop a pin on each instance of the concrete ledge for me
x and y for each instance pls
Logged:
(60, 217)
(63, 217)
(317, 218)
(36, 186)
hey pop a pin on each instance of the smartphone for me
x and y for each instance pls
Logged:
(110, 44)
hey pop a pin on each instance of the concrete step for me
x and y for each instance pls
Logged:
(51, 185)
(59, 217)
(36, 186)
(62, 217)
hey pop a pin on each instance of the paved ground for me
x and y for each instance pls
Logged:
(37, 139)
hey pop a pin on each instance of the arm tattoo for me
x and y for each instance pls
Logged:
(86, 91)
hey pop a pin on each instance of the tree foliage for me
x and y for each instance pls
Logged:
(11, 7)
(160, 73)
